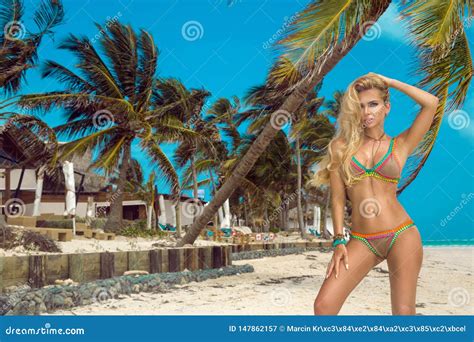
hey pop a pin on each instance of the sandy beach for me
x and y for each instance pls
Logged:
(287, 285)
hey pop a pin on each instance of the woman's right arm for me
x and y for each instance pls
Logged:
(338, 198)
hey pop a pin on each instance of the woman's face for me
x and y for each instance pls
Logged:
(373, 108)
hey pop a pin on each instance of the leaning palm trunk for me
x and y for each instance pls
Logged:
(115, 220)
(290, 105)
(299, 209)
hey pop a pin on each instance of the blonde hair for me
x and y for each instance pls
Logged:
(349, 130)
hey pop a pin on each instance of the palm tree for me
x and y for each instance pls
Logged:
(315, 132)
(323, 34)
(111, 103)
(18, 46)
(188, 111)
(185, 105)
(147, 194)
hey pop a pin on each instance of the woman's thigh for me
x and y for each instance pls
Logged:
(404, 263)
(333, 292)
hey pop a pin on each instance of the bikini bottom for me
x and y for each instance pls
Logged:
(380, 243)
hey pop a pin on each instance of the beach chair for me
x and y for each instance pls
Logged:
(314, 232)
(168, 228)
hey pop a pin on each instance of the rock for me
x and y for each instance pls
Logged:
(42, 308)
(57, 301)
(65, 282)
(68, 303)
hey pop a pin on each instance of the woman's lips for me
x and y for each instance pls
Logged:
(369, 121)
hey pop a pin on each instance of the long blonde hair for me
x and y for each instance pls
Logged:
(349, 130)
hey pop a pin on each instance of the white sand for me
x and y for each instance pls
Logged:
(288, 285)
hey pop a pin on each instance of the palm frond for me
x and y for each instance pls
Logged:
(314, 30)
(10, 11)
(445, 63)
(48, 15)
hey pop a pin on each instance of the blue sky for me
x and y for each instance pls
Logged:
(229, 55)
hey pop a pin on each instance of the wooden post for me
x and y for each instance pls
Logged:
(107, 265)
(216, 256)
(174, 260)
(76, 267)
(37, 274)
(191, 257)
(205, 258)
(155, 260)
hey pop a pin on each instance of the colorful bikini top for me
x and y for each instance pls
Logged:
(387, 169)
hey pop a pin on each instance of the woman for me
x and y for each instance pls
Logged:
(366, 163)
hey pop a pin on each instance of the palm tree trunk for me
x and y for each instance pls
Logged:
(115, 220)
(286, 216)
(325, 234)
(291, 105)
(149, 216)
(38, 191)
(178, 215)
(195, 181)
(299, 209)
(246, 213)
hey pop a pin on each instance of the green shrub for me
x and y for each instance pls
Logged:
(138, 228)
(65, 223)
(274, 230)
